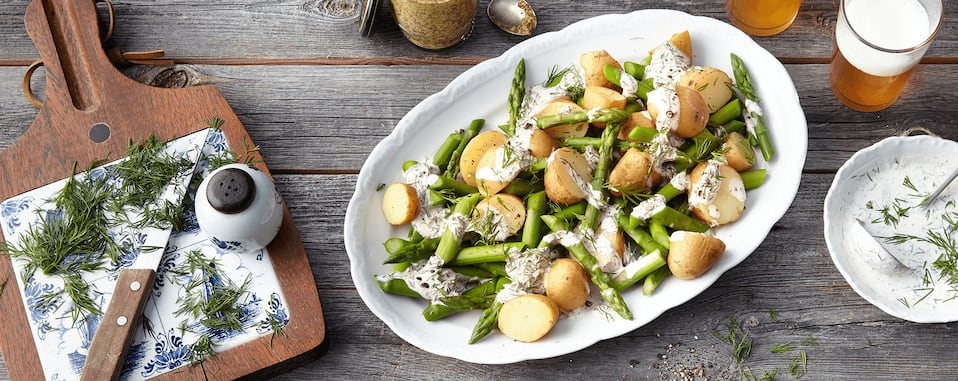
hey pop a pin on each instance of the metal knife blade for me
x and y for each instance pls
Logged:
(107, 351)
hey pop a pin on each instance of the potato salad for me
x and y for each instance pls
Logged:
(608, 176)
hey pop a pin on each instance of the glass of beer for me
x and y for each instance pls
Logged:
(762, 17)
(878, 44)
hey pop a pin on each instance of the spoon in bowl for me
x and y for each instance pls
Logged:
(513, 16)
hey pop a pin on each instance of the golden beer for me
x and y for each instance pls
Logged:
(862, 91)
(762, 17)
(878, 44)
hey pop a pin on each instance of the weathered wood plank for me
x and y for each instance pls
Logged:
(310, 118)
(328, 28)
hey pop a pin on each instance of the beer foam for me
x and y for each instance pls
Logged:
(889, 24)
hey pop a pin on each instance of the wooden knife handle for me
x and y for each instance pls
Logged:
(107, 352)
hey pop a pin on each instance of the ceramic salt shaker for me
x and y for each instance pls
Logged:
(238, 205)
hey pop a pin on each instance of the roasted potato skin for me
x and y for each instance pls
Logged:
(692, 254)
(567, 283)
(711, 83)
(740, 154)
(593, 64)
(633, 172)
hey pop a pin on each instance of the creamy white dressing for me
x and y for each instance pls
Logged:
(537, 97)
(600, 243)
(592, 156)
(704, 190)
(457, 224)
(565, 238)
(881, 187)
(593, 113)
(649, 207)
(433, 282)
(593, 196)
(431, 221)
(629, 85)
(680, 181)
(667, 65)
(752, 111)
(526, 270)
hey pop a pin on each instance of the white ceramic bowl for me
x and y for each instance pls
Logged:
(253, 227)
(870, 173)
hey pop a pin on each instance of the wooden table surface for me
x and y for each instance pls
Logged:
(298, 75)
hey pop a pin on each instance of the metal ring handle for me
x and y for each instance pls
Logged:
(27, 91)
(918, 131)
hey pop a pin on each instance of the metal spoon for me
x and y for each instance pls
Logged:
(513, 16)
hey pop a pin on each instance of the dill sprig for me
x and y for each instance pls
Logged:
(209, 297)
(3, 286)
(555, 76)
(769, 375)
(738, 338)
(783, 348)
(146, 170)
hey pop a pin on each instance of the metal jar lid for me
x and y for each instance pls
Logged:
(370, 10)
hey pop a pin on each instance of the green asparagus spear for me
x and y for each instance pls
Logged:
(653, 280)
(608, 115)
(634, 69)
(599, 176)
(449, 242)
(484, 253)
(452, 169)
(520, 187)
(442, 156)
(586, 141)
(638, 270)
(753, 178)
(612, 74)
(678, 220)
(396, 287)
(731, 110)
(743, 88)
(480, 296)
(516, 93)
(401, 250)
(532, 228)
(460, 189)
(641, 236)
(487, 321)
(659, 233)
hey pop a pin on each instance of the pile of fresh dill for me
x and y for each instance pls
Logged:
(74, 237)
(738, 338)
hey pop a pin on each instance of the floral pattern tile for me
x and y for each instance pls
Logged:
(160, 344)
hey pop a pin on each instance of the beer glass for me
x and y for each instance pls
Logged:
(878, 44)
(762, 17)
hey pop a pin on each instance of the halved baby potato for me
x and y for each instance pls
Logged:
(633, 172)
(567, 284)
(692, 254)
(729, 201)
(475, 149)
(693, 112)
(593, 65)
(528, 317)
(400, 204)
(561, 186)
(510, 207)
(711, 83)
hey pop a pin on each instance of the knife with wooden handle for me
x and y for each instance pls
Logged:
(107, 352)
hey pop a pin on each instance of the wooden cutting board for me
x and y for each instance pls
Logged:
(92, 110)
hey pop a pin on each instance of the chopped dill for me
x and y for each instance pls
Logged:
(738, 338)
(555, 76)
(799, 365)
(769, 375)
(783, 348)
(772, 314)
(215, 122)
(380, 187)
(809, 341)
(210, 298)
(73, 238)
(3, 286)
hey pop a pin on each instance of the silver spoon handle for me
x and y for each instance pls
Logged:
(931, 197)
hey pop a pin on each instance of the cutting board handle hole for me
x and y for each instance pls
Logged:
(99, 133)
